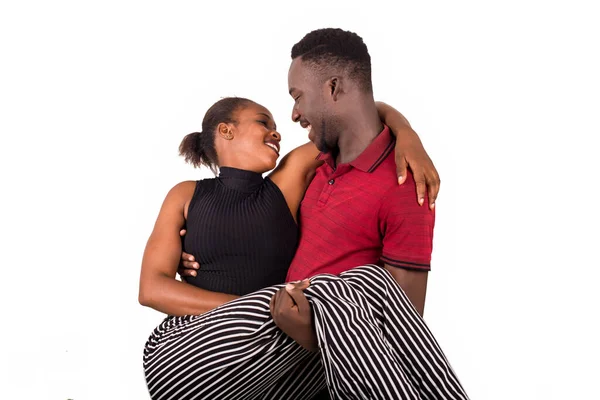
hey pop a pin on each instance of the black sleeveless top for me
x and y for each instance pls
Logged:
(241, 232)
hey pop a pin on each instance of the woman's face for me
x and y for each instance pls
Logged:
(251, 144)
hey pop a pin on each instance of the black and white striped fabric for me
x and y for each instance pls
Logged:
(374, 345)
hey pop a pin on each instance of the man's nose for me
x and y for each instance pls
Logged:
(295, 115)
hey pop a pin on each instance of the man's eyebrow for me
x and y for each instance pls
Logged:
(291, 90)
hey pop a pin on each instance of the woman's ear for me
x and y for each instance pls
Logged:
(225, 131)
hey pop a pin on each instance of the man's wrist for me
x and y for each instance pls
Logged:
(307, 339)
(310, 344)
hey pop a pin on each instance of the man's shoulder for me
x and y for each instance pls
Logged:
(386, 175)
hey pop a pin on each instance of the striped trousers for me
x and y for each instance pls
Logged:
(373, 345)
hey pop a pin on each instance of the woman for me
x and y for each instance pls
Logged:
(244, 229)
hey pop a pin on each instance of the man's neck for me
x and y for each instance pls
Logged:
(361, 126)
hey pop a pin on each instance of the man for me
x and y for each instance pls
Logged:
(372, 342)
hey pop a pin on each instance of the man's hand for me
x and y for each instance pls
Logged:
(291, 312)
(410, 153)
(187, 264)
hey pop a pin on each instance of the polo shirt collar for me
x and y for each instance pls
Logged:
(372, 156)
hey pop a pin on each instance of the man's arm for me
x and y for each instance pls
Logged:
(413, 283)
(407, 232)
(291, 312)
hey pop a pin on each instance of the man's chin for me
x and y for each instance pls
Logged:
(320, 143)
(322, 146)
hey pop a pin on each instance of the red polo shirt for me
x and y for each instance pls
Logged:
(357, 214)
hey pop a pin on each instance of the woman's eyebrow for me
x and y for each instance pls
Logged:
(266, 115)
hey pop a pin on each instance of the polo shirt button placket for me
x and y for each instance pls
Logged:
(327, 189)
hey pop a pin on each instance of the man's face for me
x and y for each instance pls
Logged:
(313, 105)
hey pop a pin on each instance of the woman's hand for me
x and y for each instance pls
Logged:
(410, 153)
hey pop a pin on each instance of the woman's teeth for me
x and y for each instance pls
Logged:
(271, 145)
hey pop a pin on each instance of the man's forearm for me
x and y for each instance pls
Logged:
(413, 283)
(307, 338)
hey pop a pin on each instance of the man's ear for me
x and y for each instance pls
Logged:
(334, 85)
(225, 131)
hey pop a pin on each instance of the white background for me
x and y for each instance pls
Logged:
(95, 98)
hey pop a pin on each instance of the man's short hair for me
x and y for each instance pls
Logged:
(333, 48)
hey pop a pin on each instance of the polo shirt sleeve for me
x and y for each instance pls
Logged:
(406, 228)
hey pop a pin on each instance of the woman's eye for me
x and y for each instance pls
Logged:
(265, 123)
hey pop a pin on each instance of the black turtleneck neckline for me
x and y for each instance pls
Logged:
(240, 179)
